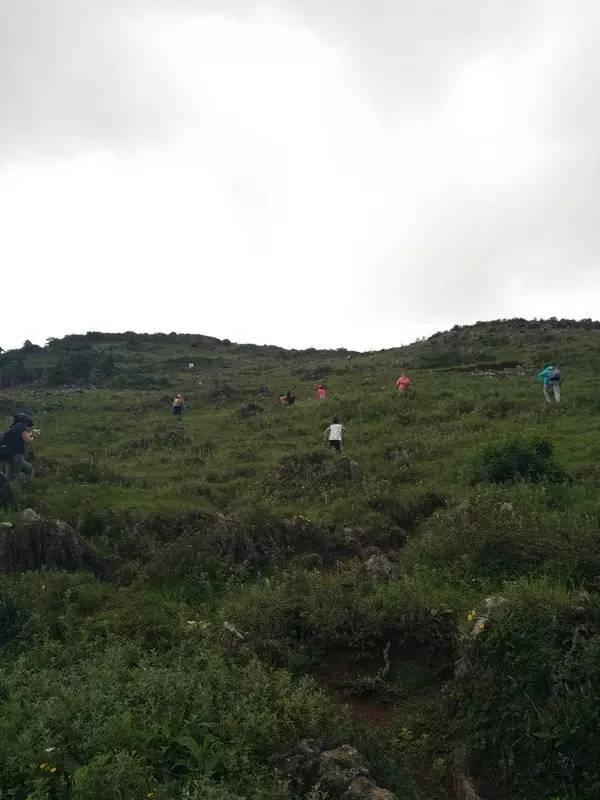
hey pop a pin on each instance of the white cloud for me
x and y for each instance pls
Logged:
(266, 174)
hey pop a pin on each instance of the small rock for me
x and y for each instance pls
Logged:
(232, 629)
(344, 756)
(30, 517)
(341, 773)
(339, 767)
(494, 603)
(379, 566)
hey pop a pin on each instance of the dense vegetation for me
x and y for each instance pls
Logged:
(432, 589)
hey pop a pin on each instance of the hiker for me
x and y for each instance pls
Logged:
(550, 378)
(178, 405)
(321, 392)
(403, 383)
(333, 434)
(289, 398)
(14, 444)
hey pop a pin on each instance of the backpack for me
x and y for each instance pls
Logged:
(554, 376)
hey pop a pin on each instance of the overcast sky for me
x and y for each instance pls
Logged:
(299, 172)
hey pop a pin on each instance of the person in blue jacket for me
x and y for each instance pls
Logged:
(550, 379)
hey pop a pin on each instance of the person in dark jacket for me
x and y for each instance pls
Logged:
(14, 444)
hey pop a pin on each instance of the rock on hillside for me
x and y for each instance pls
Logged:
(45, 544)
(342, 773)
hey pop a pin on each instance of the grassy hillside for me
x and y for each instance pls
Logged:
(432, 589)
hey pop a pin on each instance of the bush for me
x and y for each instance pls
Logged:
(516, 459)
(527, 695)
(486, 538)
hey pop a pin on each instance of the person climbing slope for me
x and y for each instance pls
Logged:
(178, 405)
(321, 392)
(289, 398)
(14, 444)
(551, 379)
(403, 383)
(334, 433)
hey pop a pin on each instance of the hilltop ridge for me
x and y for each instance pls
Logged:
(142, 360)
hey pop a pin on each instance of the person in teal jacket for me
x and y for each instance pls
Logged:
(550, 379)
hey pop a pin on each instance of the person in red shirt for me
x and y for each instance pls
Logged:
(321, 392)
(403, 383)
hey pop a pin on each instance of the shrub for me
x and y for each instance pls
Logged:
(516, 459)
(526, 695)
(486, 538)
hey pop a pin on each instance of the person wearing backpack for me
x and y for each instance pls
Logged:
(551, 380)
(14, 443)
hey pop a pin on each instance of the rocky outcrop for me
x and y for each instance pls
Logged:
(36, 543)
(342, 772)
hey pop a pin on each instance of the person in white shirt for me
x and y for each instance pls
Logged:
(333, 434)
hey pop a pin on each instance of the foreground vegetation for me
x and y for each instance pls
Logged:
(435, 588)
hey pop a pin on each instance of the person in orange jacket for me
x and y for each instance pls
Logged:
(403, 383)
(321, 392)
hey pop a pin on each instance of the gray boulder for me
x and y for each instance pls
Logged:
(30, 517)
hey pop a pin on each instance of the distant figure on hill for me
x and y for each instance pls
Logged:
(334, 433)
(403, 383)
(179, 405)
(550, 379)
(289, 398)
(14, 444)
(321, 392)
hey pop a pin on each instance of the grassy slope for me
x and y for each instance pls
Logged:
(223, 462)
(113, 449)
